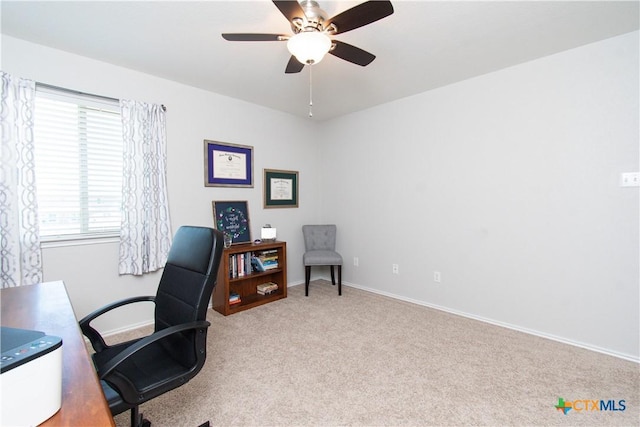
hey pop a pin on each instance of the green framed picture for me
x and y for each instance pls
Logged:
(280, 188)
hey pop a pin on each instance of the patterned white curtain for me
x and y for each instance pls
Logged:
(145, 234)
(19, 235)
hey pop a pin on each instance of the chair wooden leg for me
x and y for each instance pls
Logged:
(307, 277)
(339, 280)
(333, 278)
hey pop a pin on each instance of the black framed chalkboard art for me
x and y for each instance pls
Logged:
(233, 217)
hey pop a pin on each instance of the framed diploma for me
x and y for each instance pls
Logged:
(227, 165)
(232, 217)
(280, 188)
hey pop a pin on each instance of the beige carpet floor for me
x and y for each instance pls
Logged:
(367, 360)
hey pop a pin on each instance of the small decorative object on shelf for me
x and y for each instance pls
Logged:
(268, 233)
(228, 239)
(250, 275)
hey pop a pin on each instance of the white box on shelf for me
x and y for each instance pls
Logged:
(268, 233)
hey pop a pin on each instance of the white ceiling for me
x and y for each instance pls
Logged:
(423, 45)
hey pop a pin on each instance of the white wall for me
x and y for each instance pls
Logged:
(508, 185)
(193, 115)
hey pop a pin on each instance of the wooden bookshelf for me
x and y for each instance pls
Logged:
(246, 285)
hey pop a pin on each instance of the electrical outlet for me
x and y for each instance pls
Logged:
(356, 262)
(395, 268)
(436, 277)
(630, 179)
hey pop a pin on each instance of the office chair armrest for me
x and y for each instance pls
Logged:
(97, 342)
(144, 342)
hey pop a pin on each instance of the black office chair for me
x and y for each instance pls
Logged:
(136, 371)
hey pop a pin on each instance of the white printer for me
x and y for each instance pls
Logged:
(30, 376)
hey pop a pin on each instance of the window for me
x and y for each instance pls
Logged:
(78, 158)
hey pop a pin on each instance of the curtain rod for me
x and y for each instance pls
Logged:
(77, 92)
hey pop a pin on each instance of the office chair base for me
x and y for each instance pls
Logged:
(137, 419)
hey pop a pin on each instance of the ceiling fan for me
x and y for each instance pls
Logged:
(313, 31)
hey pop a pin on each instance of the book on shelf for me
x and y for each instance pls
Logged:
(234, 298)
(260, 264)
(257, 264)
(232, 266)
(240, 261)
(266, 288)
(267, 285)
(269, 251)
(239, 265)
(267, 259)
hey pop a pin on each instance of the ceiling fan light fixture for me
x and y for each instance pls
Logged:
(309, 47)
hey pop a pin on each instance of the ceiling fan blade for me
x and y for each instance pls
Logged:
(294, 66)
(351, 53)
(361, 15)
(290, 9)
(249, 37)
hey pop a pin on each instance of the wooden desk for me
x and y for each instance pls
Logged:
(46, 307)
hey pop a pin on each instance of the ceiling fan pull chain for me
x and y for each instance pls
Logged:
(310, 91)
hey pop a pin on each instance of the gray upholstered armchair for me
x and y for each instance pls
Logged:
(320, 249)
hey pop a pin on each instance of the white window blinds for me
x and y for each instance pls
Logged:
(78, 152)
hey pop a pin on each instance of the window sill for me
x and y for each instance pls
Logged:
(78, 241)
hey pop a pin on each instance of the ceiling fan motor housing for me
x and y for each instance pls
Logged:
(312, 21)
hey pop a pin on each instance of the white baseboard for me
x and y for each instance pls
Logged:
(128, 328)
(608, 352)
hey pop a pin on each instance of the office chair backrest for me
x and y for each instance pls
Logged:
(319, 237)
(186, 285)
